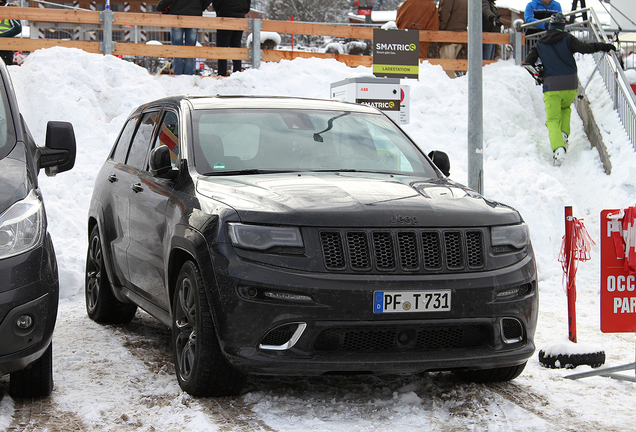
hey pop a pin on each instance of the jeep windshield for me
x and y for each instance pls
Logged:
(253, 141)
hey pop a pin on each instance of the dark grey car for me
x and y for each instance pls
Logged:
(29, 282)
(286, 236)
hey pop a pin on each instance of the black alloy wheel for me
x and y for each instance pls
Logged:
(101, 304)
(201, 367)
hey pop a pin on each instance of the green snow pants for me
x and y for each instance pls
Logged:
(557, 112)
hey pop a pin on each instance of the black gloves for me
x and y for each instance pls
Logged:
(496, 22)
(608, 47)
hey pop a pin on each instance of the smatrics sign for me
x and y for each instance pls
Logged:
(396, 53)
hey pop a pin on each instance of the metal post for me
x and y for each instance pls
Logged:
(107, 46)
(516, 39)
(475, 99)
(256, 25)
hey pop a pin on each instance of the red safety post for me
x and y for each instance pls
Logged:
(576, 246)
(570, 274)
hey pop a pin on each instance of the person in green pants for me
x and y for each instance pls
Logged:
(560, 82)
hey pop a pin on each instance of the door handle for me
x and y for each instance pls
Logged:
(112, 178)
(137, 187)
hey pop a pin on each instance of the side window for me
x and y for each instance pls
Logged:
(121, 146)
(169, 136)
(141, 141)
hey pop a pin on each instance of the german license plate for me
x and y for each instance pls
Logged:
(411, 301)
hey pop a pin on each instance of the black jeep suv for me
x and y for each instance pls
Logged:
(29, 283)
(287, 236)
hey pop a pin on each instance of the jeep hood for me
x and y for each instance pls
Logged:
(350, 199)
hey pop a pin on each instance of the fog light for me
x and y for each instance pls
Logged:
(24, 322)
(508, 292)
(287, 296)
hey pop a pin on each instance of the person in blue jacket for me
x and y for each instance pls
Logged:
(556, 51)
(540, 9)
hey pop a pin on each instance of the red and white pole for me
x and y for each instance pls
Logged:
(571, 273)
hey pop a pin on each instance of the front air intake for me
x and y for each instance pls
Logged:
(282, 337)
(511, 330)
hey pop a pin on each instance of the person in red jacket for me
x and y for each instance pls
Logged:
(183, 36)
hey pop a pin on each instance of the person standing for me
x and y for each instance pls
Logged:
(453, 16)
(537, 10)
(418, 15)
(230, 38)
(183, 36)
(9, 28)
(560, 82)
(490, 24)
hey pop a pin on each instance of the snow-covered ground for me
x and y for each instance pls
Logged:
(122, 378)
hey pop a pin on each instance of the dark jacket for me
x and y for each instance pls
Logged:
(489, 14)
(453, 15)
(536, 10)
(183, 7)
(231, 8)
(556, 50)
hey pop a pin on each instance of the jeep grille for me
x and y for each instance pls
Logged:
(413, 251)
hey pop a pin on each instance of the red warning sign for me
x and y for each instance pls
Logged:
(618, 286)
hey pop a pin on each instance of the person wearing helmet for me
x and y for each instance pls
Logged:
(560, 82)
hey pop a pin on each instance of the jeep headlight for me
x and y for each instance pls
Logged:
(262, 237)
(517, 236)
(22, 226)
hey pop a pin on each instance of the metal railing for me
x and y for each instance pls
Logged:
(608, 66)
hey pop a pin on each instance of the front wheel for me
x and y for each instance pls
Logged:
(101, 304)
(36, 380)
(201, 367)
(491, 375)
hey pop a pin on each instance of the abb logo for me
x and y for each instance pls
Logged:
(364, 89)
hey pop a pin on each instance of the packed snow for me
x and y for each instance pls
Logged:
(122, 377)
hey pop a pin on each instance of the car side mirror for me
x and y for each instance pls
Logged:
(160, 164)
(58, 153)
(441, 161)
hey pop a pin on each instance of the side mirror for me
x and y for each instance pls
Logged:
(441, 161)
(58, 153)
(160, 164)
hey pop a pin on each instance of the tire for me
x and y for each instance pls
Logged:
(570, 361)
(36, 380)
(201, 367)
(491, 375)
(101, 304)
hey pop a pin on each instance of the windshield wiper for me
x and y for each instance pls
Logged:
(247, 171)
(317, 136)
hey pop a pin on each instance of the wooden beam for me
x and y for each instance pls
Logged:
(462, 37)
(52, 15)
(182, 21)
(180, 51)
(24, 44)
(349, 60)
(294, 27)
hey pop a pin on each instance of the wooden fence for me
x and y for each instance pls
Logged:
(126, 19)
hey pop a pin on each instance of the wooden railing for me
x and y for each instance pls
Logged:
(121, 19)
